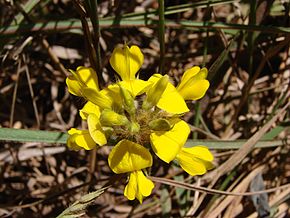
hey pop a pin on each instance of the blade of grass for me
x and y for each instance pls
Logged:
(73, 24)
(174, 9)
(25, 135)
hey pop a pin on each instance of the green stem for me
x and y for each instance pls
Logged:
(161, 26)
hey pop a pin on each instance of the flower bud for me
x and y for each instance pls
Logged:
(155, 92)
(128, 101)
(159, 125)
(111, 118)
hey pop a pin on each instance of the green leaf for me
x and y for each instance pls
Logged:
(25, 135)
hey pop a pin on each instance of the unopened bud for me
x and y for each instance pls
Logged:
(111, 118)
(159, 125)
(155, 92)
(128, 101)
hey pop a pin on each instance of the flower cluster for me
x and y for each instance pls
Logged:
(139, 118)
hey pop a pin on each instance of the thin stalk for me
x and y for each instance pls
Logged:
(161, 31)
(88, 37)
(15, 94)
(92, 10)
(196, 118)
(251, 35)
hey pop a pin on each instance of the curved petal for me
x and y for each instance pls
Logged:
(98, 98)
(190, 73)
(193, 84)
(74, 87)
(79, 139)
(195, 160)
(136, 86)
(127, 61)
(89, 108)
(194, 90)
(128, 156)
(167, 144)
(82, 77)
(113, 93)
(171, 101)
(95, 130)
(139, 186)
(88, 76)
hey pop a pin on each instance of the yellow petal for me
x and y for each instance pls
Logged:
(95, 130)
(136, 86)
(171, 101)
(195, 160)
(194, 90)
(145, 185)
(193, 84)
(82, 77)
(131, 188)
(88, 76)
(89, 108)
(188, 74)
(74, 87)
(113, 92)
(127, 61)
(128, 156)
(167, 144)
(98, 98)
(139, 186)
(80, 139)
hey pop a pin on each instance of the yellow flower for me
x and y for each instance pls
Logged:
(127, 61)
(130, 157)
(195, 160)
(135, 113)
(193, 84)
(81, 78)
(79, 139)
(167, 144)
